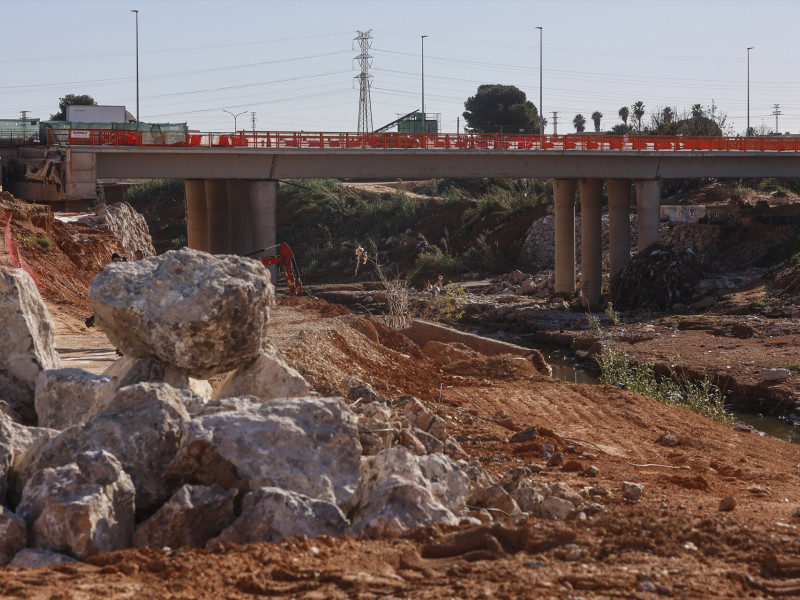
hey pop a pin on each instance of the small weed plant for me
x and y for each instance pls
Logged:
(703, 397)
(612, 314)
(43, 241)
(444, 303)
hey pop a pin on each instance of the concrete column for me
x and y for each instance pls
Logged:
(240, 229)
(263, 203)
(619, 224)
(196, 215)
(591, 191)
(217, 211)
(648, 198)
(564, 197)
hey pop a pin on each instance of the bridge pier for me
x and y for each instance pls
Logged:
(591, 193)
(231, 216)
(648, 198)
(196, 215)
(648, 193)
(564, 198)
(619, 228)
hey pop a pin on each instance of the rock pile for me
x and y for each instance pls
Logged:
(145, 455)
(656, 279)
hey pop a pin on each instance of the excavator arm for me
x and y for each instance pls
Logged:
(284, 259)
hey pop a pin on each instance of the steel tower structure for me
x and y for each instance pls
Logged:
(364, 82)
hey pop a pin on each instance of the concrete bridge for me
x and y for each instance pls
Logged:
(231, 190)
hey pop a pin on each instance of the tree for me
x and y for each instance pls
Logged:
(638, 113)
(662, 121)
(697, 111)
(596, 116)
(498, 107)
(624, 113)
(68, 100)
(580, 123)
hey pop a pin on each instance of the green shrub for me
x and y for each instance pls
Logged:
(484, 257)
(43, 241)
(141, 193)
(703, 397)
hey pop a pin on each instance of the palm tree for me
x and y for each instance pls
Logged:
(596, 116)
(623, 114)
(580, 123)
(638, 113)
(667, 115)
(697, 111)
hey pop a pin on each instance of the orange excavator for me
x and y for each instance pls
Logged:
(285, 260)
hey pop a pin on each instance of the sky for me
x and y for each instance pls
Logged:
(290, 65)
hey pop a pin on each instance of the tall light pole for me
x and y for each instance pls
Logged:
(235, 116)
(137, 67)
(541, 111)
(747, 133)
(422, 39)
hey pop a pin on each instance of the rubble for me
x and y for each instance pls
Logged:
(26, 339)
(66, 397)
(83, 508)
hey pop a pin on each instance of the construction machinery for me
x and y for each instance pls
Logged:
(284, 259)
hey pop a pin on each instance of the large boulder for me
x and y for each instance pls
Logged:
(13, 535)
(400, 491)
(15, 441)
(271, 514)
(83, 508)
(129, 226)
(26, 341)
(193, 515)
(66, 397)
(202, 313)
(305, 445)
(33, 558)
(267, 376)
(143, 427)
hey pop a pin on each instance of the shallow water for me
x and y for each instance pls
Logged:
(564, 370)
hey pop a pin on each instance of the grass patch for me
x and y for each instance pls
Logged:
(703, 397)
(42, 240)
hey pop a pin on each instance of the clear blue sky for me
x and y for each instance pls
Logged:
(292, 62)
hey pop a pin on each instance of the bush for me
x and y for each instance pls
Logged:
(703, 397)
(140, 194)
(43, 241)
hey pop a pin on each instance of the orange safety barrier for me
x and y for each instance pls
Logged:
(444, 141)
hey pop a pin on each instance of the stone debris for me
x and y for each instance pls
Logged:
(39, 557)
(306, 445)
(266, 377)
(66, 397)
(83, 508)
(144, 426)
(632, 491)
(727, 504)
(26, 339)
(13, 535)
(270, 514)
(775, 374)
(193, 515)
(149, 369)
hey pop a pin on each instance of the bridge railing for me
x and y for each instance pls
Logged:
(424, 141)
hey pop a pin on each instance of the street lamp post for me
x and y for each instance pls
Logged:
(541, 110)
(137, 67)
(422, 39)
(747, 133)
(235, 116)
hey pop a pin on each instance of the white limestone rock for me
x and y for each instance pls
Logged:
(193, 515)
(129, 226)
(149, 369)
(268, 376)
(143, 427)
(305, 445)
(66, 397)
(202, 313)
(399, 491)
(15, 441)
(26, 341)
(81, 509)
(270, 514)
(13, 535)
(33, 558)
